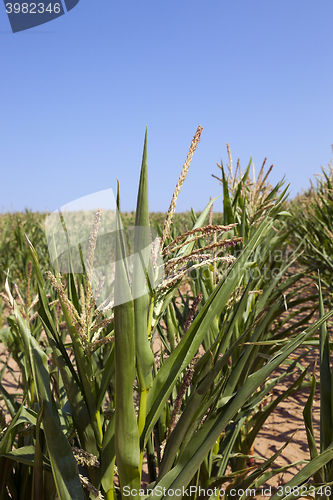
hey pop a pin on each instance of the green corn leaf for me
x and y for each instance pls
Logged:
(26, 455)
(194, 402)
(259, 418)
(187, 348)
(79, 410)
(126, 429)
(9, 400)
(8, 439)
(6, 478)
(108, 373)
(231, 434)
(37, 479)
(325, 381)
(41, 288)
(171, 326)
(319, 476)
(237, 195)
(108, 455)
(63, 463)
(227, 212)
(187, 248)
(144, 354)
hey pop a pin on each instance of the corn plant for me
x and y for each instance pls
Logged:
(97, 400)
(311, 226)
(253, 310)
(14, 250)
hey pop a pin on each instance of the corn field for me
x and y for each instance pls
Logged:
(148, 355)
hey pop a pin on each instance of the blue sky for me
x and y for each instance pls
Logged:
(78, 92)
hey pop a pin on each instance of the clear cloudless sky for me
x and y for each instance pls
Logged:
(78, 92)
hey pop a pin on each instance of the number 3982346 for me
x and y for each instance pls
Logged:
(32, 8)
